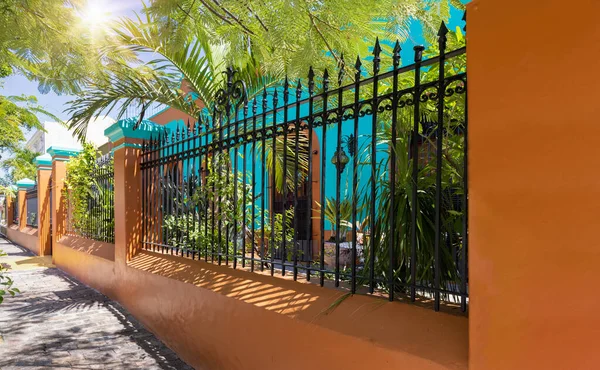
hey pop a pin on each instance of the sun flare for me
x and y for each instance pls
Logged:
(95, 15)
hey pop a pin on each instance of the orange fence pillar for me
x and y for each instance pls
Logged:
(44, 166)
(22, 186)
(127, 144)
(10, 203)
(58, 207)
(534, 252)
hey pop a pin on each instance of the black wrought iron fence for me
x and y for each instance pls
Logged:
(31, 199)
(91, 210)
(321, 181)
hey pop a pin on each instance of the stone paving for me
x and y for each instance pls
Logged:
(59, 323)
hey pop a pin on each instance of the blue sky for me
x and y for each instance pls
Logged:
(19, 85)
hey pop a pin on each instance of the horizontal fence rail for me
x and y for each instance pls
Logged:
(363, 184)
(92, 216)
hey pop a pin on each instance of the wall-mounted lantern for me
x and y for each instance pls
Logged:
(340, 160)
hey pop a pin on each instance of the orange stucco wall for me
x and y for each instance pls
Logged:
(219, 318)
(26, 237)
(215, 317)
(534, 186)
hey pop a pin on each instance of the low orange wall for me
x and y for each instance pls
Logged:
(27, 237)
(218, 318)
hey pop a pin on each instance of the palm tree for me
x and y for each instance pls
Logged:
(197, 61)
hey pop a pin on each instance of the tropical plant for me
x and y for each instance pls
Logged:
(6, 282)
(86, 197)
(396, 234)
(20, 165)
(332, 209)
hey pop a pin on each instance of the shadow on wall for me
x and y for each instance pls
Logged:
(124, 343)
(89, 246)
(370, 318)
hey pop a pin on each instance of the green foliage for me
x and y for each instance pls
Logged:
(264, 42)
(211, 217)
(6, 282)
(397, 233)
(289, 36)
(331, 211)
(85, 197)
(47, 41)
(20, 165)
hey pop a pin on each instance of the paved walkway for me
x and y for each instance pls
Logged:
(59, 323)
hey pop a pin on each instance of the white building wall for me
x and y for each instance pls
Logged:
(57, 135)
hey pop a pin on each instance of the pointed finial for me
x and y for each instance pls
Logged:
(358, 68)
(264, 102)
(286, 86)
(230, 72)
(311, 80)
(275, 98)
(342, 66)
(298, 90)
(376, 58)
(254, 106)
(177, 133)
(464, 18)
(396, 56)
(326, 80)
(443, 31)
(418, 52)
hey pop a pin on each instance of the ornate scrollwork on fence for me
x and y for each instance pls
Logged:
(232, 96)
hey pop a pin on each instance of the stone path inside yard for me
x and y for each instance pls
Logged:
(59, 323)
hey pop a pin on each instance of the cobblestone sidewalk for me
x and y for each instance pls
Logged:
(59, 323)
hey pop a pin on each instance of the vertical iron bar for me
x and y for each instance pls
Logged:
(357, 76)
(296, 173)
(234, 179)
(187, 150)
(219, 172)
(376, 61)
(253, 209)
(338, 172)
(263, 184)
(323, 175)
(244, 157)
(392, 215)
(311, 89)
(273, 181)
(438, 167)
(415, 171)
(179, 188)
(170, 168)
(285, 126)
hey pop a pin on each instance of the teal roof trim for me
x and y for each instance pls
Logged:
(25, 184)
(124, 129)
(55, 151)
(44, 160)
